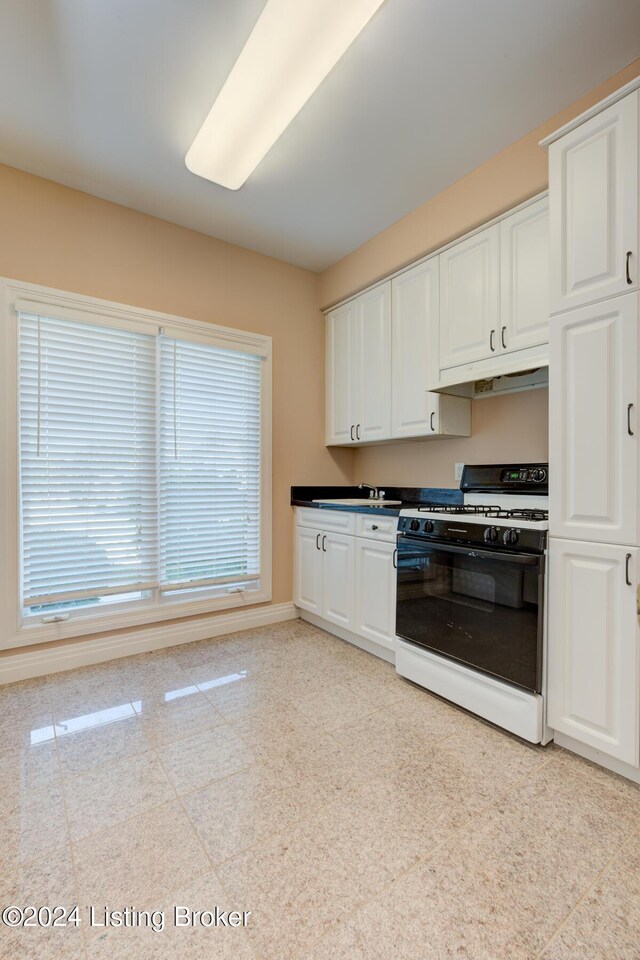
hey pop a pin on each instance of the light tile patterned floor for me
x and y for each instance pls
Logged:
(285, 772)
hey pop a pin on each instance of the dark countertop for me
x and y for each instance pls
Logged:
(410, 497)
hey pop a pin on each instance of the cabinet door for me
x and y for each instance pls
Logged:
(469, 307)
(593, 190)
(308, 570)
(373, 360)
(524, 277)
(338, 579)
(593, 681)
(376, 591)
(593, 393)
(340, 381)
(414, 348)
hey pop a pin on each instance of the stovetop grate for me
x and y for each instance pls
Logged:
(484, 510)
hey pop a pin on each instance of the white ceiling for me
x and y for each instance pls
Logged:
(107, 95)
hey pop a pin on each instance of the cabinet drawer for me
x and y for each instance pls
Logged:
(376, 528)
(339, 520)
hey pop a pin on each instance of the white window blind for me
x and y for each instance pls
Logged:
(87, 460)
(140, 463)
(209, 504)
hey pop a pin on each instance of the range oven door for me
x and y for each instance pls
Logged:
(480, 607)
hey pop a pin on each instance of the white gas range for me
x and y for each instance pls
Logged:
(470, 596)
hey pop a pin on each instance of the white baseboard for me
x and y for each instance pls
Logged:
(364, 643)
(38, 663)
(597, 756)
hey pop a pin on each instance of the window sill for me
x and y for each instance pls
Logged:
(109, 621)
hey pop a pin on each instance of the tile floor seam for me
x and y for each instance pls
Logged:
(583, 896)
(74, 868)
(313, 811)
(595, 776)
(379, 895)
(450, 835)
(193, 827)
(213, 867)
(476, 748)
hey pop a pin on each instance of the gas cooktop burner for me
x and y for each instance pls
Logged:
(460, 508)
(521, 514)
(482, 510)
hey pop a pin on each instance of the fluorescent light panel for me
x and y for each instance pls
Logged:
(292, 48)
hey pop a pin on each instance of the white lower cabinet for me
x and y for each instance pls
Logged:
(338, 579)
(347, 580)
(593, 663)
(376, 591)
(324, 575)
(308, 570)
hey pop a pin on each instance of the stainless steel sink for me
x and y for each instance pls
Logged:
(362, 502)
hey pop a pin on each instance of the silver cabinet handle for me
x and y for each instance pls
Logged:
(433, 429)
(318, 541)
(627, 266)
(493, 349)
(352, 428)
(502, 337)
(626, 569)
(324, 540)
(629, 409)
(357, 431)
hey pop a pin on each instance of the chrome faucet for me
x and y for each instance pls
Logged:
(373, 491)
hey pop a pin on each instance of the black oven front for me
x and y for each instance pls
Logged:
(480, 607)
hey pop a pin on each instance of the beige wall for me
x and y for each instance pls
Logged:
(59, 237)
(62, 238)
(513, 427)
(508, 178)
(503, 429)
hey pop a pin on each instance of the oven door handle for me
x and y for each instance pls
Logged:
(524, 559)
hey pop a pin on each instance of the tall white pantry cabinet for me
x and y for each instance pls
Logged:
(594, 554)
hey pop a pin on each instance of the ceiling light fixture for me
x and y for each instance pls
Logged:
(292, 48)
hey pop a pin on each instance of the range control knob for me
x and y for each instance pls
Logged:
(510, 537)
(415, 524)
(428, 526)
(539, 475)
(491, 534)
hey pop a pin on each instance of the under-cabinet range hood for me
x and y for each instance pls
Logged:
(511, 383)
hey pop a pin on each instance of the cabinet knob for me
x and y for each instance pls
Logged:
(374, 526)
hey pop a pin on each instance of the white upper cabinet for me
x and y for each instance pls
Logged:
(341, 385)
(414, 364)
(524, 277)
(469, 299)
(593, 186)
(372, 412)
(593, 692)
(358, 407)
(593, 399)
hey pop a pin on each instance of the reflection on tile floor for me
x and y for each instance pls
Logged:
(283, 772)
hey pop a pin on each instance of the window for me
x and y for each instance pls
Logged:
(143, 467)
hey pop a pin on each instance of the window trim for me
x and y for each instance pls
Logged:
(15, 632)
